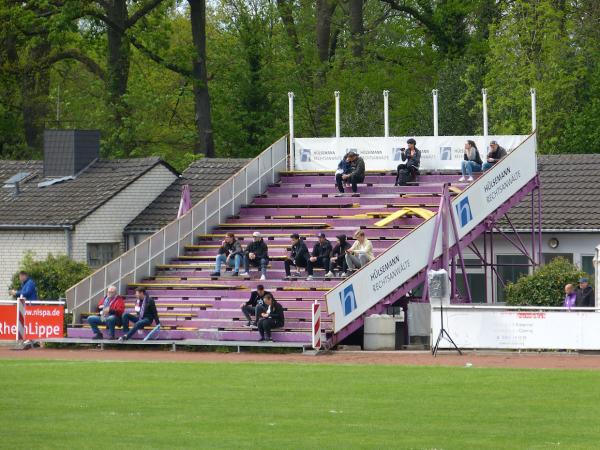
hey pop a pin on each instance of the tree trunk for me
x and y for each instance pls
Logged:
(204, 140)
(35, 88)
(325, 9)
(356, 27)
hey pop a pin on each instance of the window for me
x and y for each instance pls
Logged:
(587, 265)
(100, 254)
(476, 284)
(547, 257)
(510, 268)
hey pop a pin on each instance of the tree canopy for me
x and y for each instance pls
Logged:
(183, 78)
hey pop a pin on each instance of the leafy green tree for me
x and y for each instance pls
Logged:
(545, 287)
(53, 275)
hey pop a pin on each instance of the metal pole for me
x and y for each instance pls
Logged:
(337, 113)
(435, 111)
(533, 110)
(485, 120)
(386, 116)
(291, 117)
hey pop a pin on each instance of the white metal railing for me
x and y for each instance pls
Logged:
(167, 243)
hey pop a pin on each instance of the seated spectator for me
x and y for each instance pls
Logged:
(360, 253)
(338, 254)
(272, 318)
(257, 255)
(584, 294)
(111, 309)
(408, 171)
(344, 167)
(299, 257)
(471, 162)
(321, 255)
(570, 296)
(145, 314)
(27, 290)
(230, 254)
(255, 305)
(356, 174)
(496, 154)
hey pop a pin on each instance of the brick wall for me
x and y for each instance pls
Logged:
(14, 245)
(107, 223)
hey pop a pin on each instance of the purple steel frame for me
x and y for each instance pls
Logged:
(485, 228)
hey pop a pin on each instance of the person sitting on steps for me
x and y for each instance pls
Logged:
(343, 168)
(360, 253)
(145, 314)
(356, 175)
(230, 253)
(408, 171)
(471, 162)
(272, 318)
(257, 255)
(338, 254)
(299, 257)
(255, 305)
(111, 308)
(496, 154)
(321, 255)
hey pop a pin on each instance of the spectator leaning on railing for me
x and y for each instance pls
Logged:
(584, 294)
(570, 296)
(28, 289)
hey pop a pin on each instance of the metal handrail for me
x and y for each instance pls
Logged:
(167, 243)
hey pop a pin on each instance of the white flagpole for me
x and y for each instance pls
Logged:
(485, 120)
(435, 111)
(386, 114)
(533, 110)
(291, 117)
(337, 113)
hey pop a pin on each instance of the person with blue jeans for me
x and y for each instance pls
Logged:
(145, 314)
(472, 161)
(230, 254)
(111, 309)
(257, 255)
(28, 289)
(496, 154)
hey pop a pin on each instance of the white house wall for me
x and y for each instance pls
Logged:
(15, 243)
(107, 223)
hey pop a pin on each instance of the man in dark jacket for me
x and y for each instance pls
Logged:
(256, 254)
(145, 314)
(338, 254)
(356, 175)
(299, 257)
(584, 294)
(255, 305)
(321, 255)
(496, 154)
(273, 317)
(408, 171)
(230, 254)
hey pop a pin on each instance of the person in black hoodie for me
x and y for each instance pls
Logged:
(272, 318)
(230, 254)
(299, 257)
(145, 314)
(408, 171)
(257, 254)
(584, 294)
(471, 162)
(321, 255)
(255, 305)
(338, 254)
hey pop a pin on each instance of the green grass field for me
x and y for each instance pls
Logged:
(82, 404)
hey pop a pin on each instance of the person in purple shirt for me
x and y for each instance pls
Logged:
(570, 296)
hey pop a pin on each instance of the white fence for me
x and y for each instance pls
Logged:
(169, 242)
(518, 327)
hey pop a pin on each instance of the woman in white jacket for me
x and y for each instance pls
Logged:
(360, 253)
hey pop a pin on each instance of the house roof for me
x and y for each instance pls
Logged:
(570, 194)
(203, 176)
(65, 203)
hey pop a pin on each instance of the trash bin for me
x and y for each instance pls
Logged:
(381, 332)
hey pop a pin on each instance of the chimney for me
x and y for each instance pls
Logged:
(67, 152)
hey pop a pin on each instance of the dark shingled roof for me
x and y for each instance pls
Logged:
(570, 194)
(203, 176)
(67, 202)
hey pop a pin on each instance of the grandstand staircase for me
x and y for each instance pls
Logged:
(192, 305)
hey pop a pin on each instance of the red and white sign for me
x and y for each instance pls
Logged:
(41, 322)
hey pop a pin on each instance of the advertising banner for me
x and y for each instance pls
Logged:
(437, 152)
(408, 256)
(484, 327)
(41, 322)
